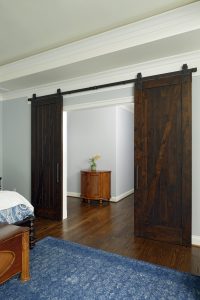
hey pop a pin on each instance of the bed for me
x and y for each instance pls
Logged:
(15, 209)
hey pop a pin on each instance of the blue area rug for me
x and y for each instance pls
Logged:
(65, 270)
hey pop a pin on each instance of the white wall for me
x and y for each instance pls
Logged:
(64, 216)
(91, 132)
(1, 147)
(17, 146)
(124, 150)
(196, 156)
(107, 131)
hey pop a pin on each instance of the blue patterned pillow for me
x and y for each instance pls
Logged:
(15, 214)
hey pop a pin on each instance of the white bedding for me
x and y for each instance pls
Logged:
(10, 199)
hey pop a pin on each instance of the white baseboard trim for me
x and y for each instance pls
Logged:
(120, 197)
(72, 194)
(196, 240)
(112, 199)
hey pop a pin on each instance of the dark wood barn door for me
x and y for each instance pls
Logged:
(46, 149)
(163, 159)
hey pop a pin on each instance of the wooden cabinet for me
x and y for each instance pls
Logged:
(95, 185)
(14, 252)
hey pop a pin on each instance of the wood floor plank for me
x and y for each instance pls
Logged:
(111, 228)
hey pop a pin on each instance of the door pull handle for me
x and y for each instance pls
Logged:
(57, 173)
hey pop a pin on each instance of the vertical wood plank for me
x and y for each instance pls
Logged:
(186, 158)
(25, 274)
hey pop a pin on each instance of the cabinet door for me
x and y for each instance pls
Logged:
(94, 185)
(90, 185)
(105, 185)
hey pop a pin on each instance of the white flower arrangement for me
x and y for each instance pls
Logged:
(93, 160)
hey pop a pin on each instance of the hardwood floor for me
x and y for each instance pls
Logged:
(110, 228)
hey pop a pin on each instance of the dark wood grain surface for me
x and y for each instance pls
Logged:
(110, 227)
(163, 159)
(46, 156)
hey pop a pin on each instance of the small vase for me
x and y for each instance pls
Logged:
(93, 167)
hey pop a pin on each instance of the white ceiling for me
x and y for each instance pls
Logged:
(167, 47)
(29, 29)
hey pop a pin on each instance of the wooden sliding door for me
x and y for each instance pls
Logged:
(163, 159)
(46, 150)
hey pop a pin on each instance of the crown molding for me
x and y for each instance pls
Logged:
(177, 21)
(3, 89)
(158, 66)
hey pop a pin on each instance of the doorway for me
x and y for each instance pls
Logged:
(112, 137)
